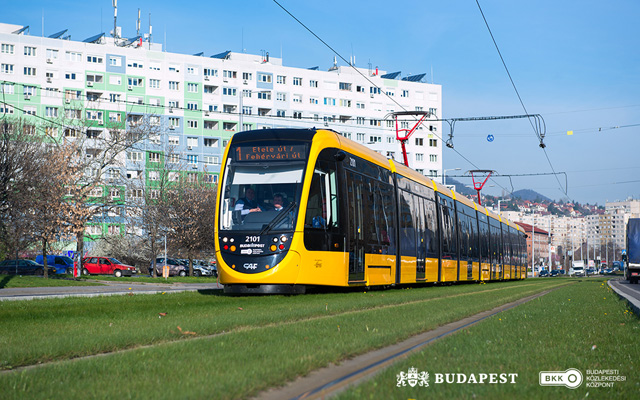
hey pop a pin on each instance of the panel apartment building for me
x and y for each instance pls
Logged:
(200, 101)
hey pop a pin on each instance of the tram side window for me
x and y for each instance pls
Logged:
(473, 236)
(496, 241)
(484, 241)
(463, 233)
(407, 228)
(432, 228)
(322, 207)
(385, 216)
(448, 228)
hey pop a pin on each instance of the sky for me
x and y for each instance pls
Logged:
(576, 63)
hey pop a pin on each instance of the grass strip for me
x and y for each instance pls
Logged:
(583, 326)
(26, 281)
(39, 331)
(150, 279)
(242, 363)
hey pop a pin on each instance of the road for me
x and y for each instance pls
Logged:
(110, 288)
(628, 291)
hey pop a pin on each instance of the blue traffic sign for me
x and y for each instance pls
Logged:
(490, 138)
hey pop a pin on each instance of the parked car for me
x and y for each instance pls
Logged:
(591, 271)
(106, 265)
(175, 267)
(553, 273)
(543, 273)
(62, 264)
(23, 267)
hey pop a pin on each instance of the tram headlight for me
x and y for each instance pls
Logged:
(283, 238)
(225, 239)
(274, 240)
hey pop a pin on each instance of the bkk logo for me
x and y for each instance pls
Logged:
(571, 378)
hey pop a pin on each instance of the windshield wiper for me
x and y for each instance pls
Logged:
(281, 215)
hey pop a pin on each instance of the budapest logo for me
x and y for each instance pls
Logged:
(413, 377)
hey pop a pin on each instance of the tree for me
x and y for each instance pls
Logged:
(192, 207)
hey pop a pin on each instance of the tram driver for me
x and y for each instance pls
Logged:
(248, 203)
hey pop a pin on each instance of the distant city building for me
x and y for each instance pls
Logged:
(199, 102)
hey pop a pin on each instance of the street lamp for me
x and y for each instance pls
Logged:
(444, 171)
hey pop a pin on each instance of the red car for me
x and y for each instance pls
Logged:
(106, 265)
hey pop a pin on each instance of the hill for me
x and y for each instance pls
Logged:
(531, 195)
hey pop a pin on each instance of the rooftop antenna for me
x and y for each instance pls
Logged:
(115, 18)
(150, 31)
(138, 24)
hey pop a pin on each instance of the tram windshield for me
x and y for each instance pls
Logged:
(261, 197)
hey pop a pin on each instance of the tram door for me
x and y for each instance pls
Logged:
(355, 199)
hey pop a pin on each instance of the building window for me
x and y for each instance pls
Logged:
(173, 158)
(94, 59)
(154, 157)
(247, 76)
(433, 157)
(208, 142)
(359, 120)
(281, 79)
(281, 96)
(297, 81)
(281, 113)
(154, 83)
(210, 72)
(192, 159)
(265, 78)
(328, 101)
(192, 105)
(192, 123)
(419, 142)
(433, 142)
(192, 70)
(115, 61)
(375, 122)
(211, 160)
(229, 91)
(360, 137)
(419, 157)
(174, 122)
(192, 87)
(174, 140)
(264, 95)
(210, 125)
(313, 83)
(74, 56)
(7, 48)
(344, 86)
(30, 71)
(135, 81)
(154, 175)
(405, 93)
(229, 74)
(246, 110)
(173, 85)
(29, 51)
(114, 97)
(6, 68)
(51, 112)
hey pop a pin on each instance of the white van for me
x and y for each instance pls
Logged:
(577, 269)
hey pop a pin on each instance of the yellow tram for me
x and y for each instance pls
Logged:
(299, 208)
